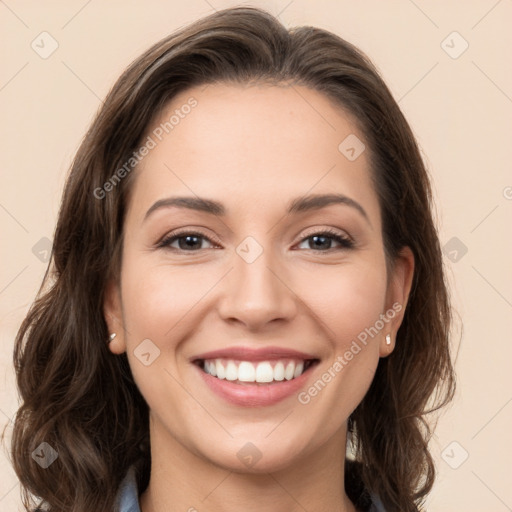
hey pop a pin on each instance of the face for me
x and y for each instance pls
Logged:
(262, 282)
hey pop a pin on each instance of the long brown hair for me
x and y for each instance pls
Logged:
(83, 401)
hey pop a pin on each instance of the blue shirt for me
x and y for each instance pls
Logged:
(128, 496)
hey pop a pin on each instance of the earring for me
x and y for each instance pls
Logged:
(388, 339)
(111, 337)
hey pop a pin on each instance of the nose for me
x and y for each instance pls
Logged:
(257, 293)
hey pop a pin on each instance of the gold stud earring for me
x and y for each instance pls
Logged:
(388, 339)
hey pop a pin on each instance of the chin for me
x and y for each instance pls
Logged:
(256, 456)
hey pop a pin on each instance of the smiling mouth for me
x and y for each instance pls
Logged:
(257, 373)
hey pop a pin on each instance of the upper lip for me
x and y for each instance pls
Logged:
(254, 354)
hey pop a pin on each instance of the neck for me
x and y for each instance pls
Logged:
(182, 481)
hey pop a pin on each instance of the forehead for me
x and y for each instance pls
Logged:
(256, 143)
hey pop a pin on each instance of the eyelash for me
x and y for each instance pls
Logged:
(344, 241)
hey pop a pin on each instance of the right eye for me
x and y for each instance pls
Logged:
(188, 241)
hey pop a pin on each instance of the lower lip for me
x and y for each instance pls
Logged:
(255, 395)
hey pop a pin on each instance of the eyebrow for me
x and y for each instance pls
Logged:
(298, 205)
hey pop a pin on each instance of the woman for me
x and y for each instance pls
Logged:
(246, 306)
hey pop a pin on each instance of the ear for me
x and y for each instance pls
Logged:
(113, 312)
(397, 295)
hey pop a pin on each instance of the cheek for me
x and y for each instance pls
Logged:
(157, 305)
(348, 300)
(347, 304)
(156, 298)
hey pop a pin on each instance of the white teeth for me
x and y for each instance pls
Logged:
(221, 374)
(279, 371)
(290, 370)
(246, 371)
(231, 371)
(210, 367)
(298, 370)
(264, 372)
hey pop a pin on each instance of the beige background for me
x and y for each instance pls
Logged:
(459, 108)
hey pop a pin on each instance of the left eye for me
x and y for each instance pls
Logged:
(326, 237)
(191, 241)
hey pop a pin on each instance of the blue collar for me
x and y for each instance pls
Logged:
(128, 494)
